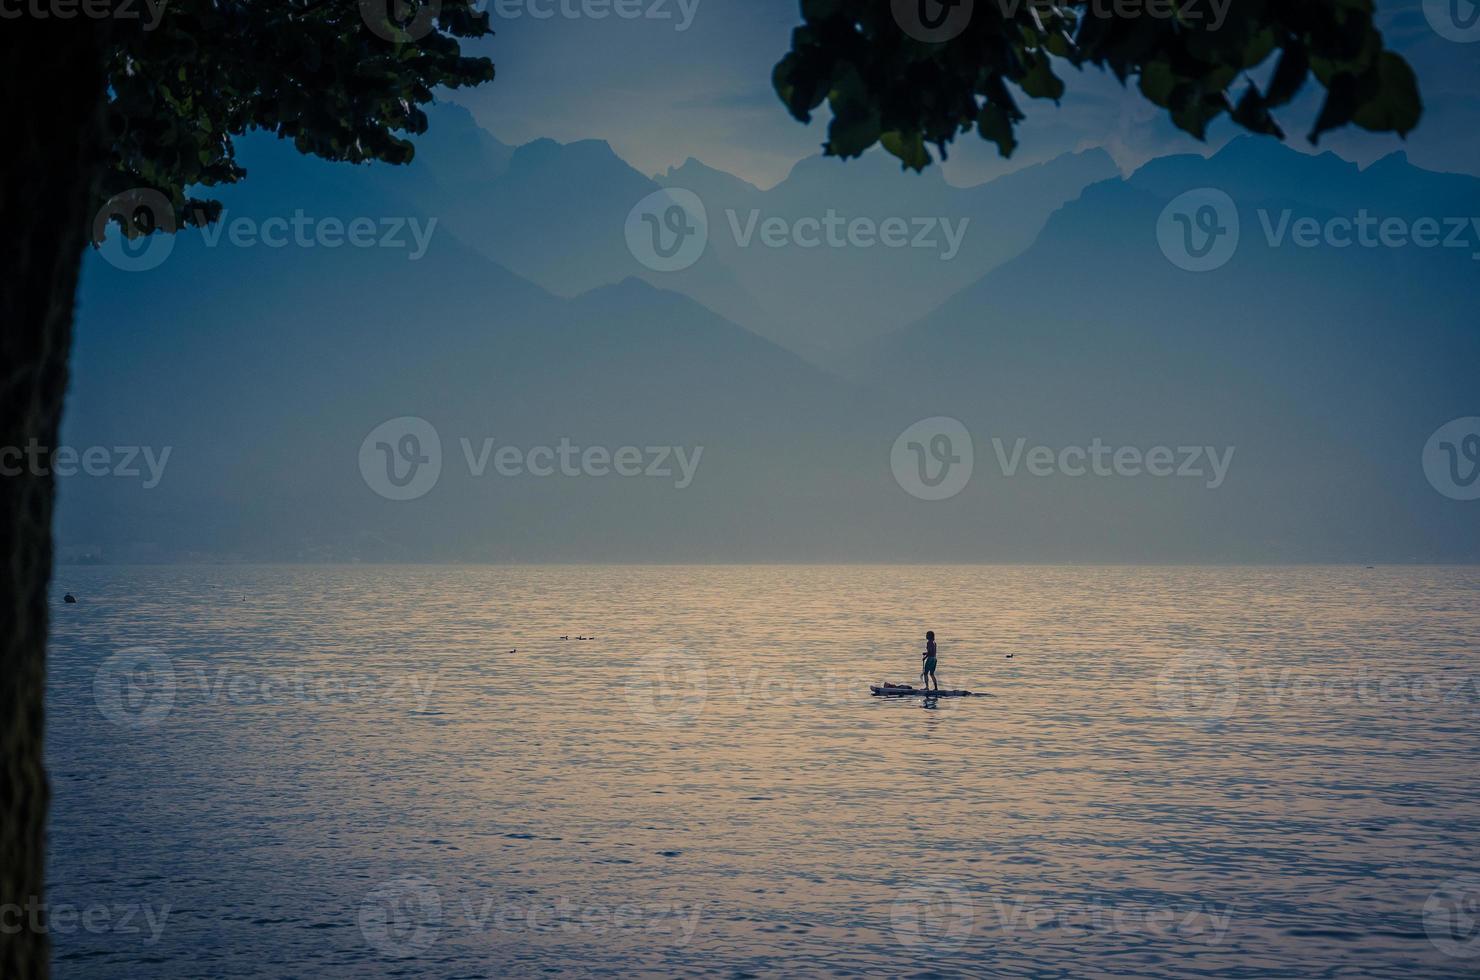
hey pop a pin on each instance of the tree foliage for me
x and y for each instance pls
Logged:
(908, 73)
(343, 79)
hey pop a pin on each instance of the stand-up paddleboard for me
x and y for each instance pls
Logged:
(906, 691)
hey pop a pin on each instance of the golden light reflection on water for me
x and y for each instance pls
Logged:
(1177, 769)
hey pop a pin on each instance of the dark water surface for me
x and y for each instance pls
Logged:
(344, 772)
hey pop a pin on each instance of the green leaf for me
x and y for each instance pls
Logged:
(1039, 81)
(996, 125)
(908, 147)
(850, 133)
(1157, 82)
(1395, 106)
(1194, 117)
(855, 125)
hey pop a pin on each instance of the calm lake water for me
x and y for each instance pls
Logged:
(404, 771)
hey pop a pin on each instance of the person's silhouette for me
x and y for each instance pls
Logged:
(928, 672)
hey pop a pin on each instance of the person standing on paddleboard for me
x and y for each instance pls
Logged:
(928, 673)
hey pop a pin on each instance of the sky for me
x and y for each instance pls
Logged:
(691, 78)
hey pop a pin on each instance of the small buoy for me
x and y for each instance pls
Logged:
(69, 598)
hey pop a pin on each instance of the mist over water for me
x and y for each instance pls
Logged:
(345, 771)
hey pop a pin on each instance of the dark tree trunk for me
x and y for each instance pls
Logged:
(53, 83)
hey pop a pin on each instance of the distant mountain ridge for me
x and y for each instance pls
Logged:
(1328, 367)
(265, 368)
(555, 214)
